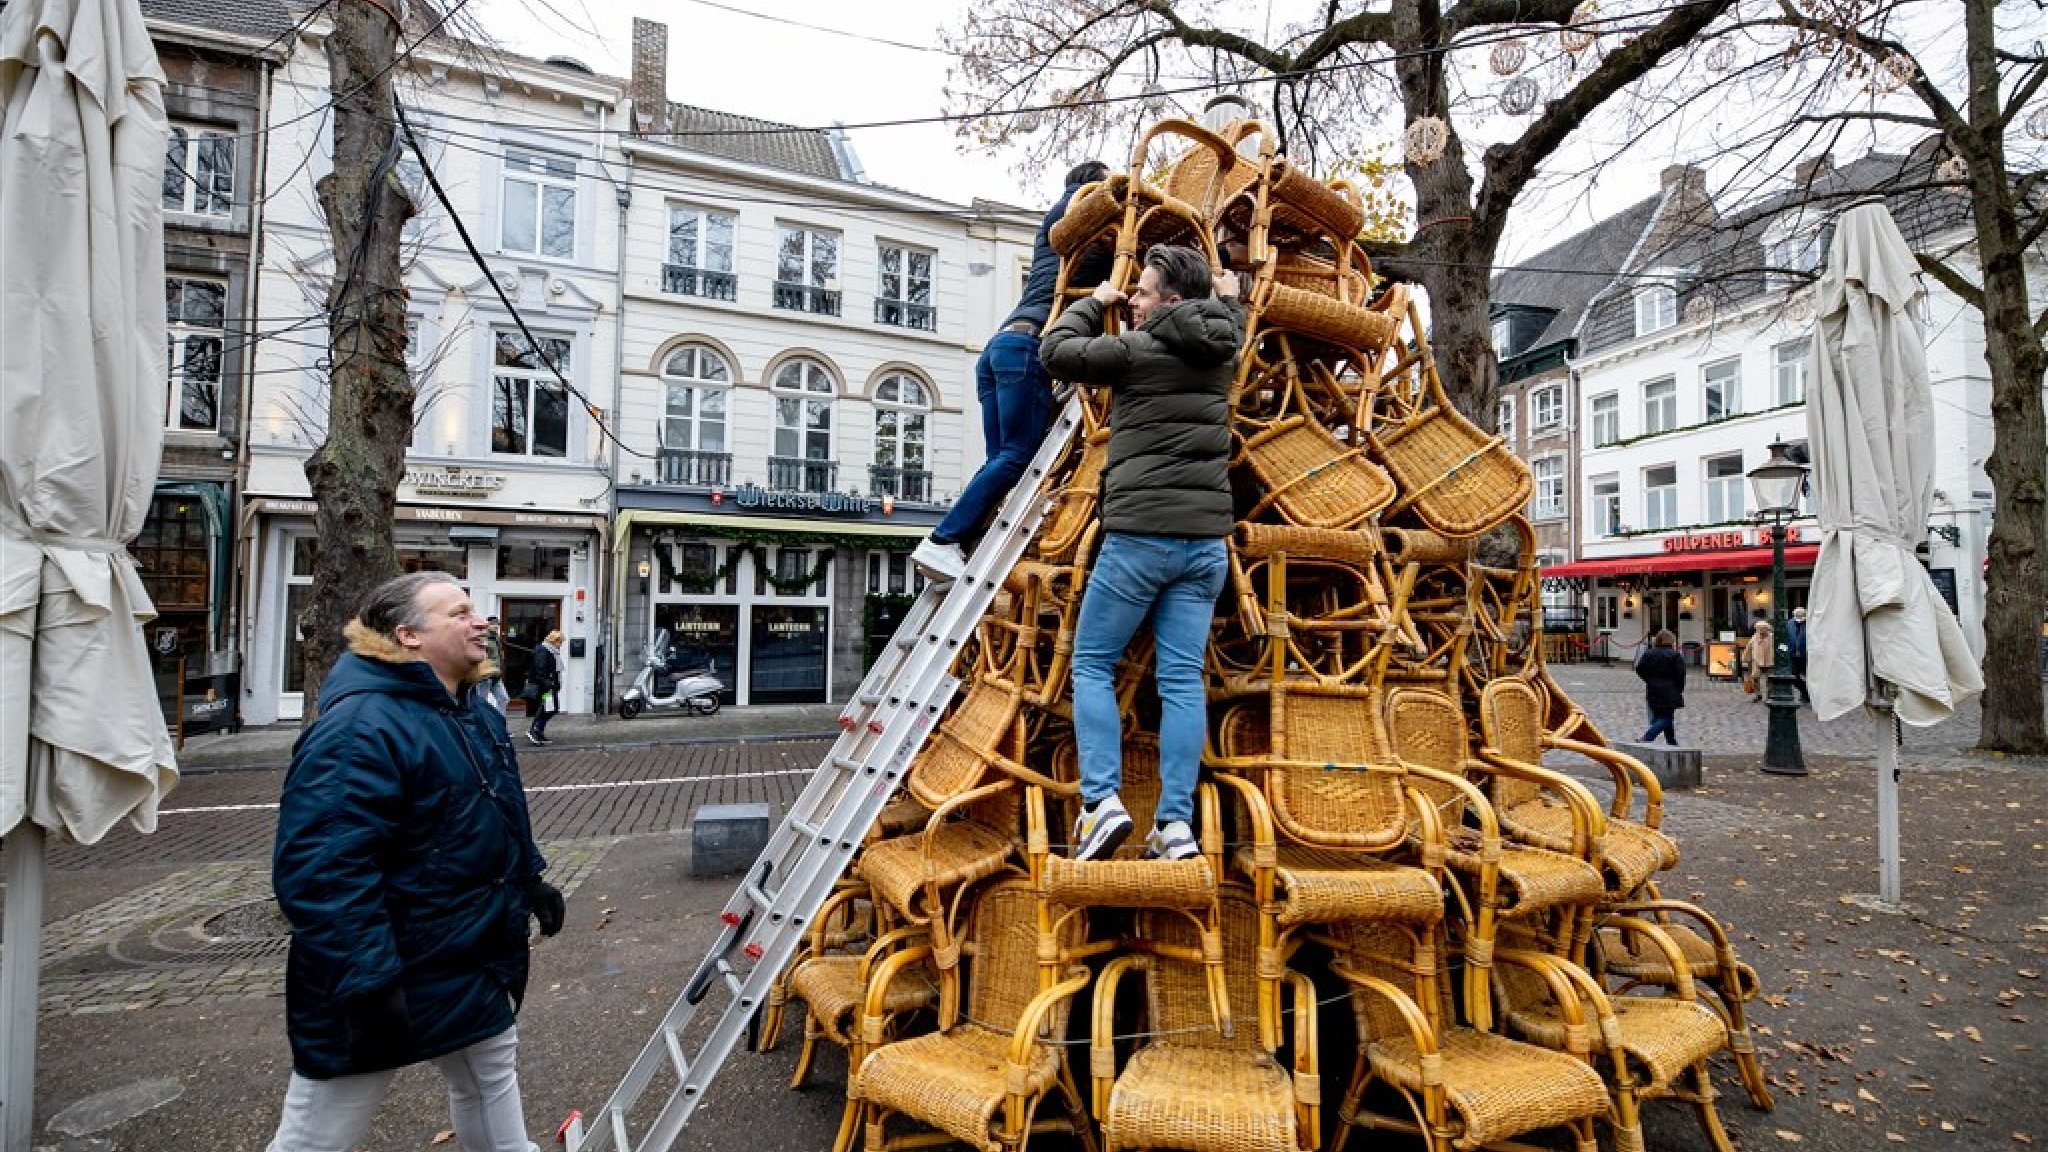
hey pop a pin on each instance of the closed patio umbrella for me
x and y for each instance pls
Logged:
(1880, 635)
(82, 369)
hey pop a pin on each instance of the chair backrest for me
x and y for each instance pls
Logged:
(1511, 718)
(1002, 940)
(1427, 728)
(1342, 787)
(966, 745)
(1077, 497)
(1408, 957)
(1177, 990)
(1139, 789)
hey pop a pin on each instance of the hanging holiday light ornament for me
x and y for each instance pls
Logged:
(1893, 73)
(1954, 171)
(1799, 308)
(1577, 36)
(1519, 96)
(2037, 123)
(1030, 121)
(1425, 140)
(1720, 56)
(1699, 310)
(1507, 57)
(1153, 99)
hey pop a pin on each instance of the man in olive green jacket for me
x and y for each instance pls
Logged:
(1166, 509)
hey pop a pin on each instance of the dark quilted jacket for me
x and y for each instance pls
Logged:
(1169, 420)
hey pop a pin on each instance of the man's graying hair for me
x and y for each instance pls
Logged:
(396, 602)
(1183, 272)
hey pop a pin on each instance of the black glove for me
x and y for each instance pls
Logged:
(379, 1028)
(549, 907)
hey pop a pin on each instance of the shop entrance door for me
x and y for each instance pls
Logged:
(704, 636)
(525, 623)
(786, 662)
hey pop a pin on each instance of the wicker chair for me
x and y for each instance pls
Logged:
(1453, 477)
(1316, 593)
(1187, 1085)
(1324, 818)
(830, 974)
(1310, 478)
(1639, 961)
(1631, 849)
(1652, 1046)
(1502, 881)
(981, 1077)
(1462, 1088)
(1183, 888)
(1179, 209)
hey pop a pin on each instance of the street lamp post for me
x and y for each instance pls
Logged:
(1776, 484)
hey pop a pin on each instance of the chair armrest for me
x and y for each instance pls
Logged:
(1033, 1018)
(1102, 1036)
(1568, 993)
(1681, 971)
(1627, 771)
(884, 946)
(873, 1011)
(1308, 1081)
(1419, 1028)
(1589, 823)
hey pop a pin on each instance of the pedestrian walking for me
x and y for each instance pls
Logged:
(1759, 656)
(1013, 389)
(1166, 508)
(1662, 670)
(494, 667)
(406, 864)
(1795, 652)
(543, 688)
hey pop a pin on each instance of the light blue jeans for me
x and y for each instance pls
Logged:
(1176, 582)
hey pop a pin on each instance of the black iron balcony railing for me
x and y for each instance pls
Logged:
(797, 474)
(910, 484)
(804, 298)
(686, 466)
(923, 317)
(687, 281)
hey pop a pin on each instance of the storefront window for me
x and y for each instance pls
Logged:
(432, 556)
(174, 552)
(533, 562)
(704, 636)
(298, 600)
(789, 646)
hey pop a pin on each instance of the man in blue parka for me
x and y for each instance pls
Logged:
(406, 864)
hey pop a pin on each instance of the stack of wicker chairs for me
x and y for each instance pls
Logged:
(1399, 805)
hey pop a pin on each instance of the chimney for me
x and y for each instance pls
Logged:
(1676, 174)
(649, 86)
(1811, 169)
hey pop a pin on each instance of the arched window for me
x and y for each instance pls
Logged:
(802, 458)
(901, 404)
(696, 380)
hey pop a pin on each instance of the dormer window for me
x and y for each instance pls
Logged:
(1501, 330)
(1656, 308)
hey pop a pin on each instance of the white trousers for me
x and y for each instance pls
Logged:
(483, 1100)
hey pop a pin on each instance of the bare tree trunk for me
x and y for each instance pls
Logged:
(355, 471)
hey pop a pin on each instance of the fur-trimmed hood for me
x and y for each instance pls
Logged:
(371, 644)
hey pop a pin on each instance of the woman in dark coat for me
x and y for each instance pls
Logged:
(543, 688)
(1663, 673)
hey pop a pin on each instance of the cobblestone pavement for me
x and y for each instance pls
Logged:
(163, 954)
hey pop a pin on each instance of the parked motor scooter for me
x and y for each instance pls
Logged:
(665, 683)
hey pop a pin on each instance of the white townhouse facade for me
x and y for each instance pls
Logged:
(508, 473)
(795, 394)
(1691, 367)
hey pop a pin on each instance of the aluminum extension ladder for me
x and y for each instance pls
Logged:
(899, 701)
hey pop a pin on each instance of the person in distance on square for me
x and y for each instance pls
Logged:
(1166, 509)
(406, 863)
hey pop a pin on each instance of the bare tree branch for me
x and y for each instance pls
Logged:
(1949, 278)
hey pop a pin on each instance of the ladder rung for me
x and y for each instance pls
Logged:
(808, 829)
(848, 763)
(675, 1052)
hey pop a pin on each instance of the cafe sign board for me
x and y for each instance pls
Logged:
(453, 482)
(841, 503)
(1719, 541)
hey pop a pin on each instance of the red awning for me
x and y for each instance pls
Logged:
(1796, 555)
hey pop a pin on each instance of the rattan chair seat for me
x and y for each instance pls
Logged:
(1630, 853)
(1664, 1037)
(1313, 478)
(953, 1081)
(1649, 964)
(831, 987)
(1541, 879)
(1201, 1099)
(960, 851)
(1120, 883)
(1321, 886)
(1500, 1088)
(1321, 316)
(1453, 476)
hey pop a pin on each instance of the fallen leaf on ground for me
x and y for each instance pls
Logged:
(1789, 1136)
(443, 1136)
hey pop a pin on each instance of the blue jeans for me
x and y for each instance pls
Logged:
(1016, 405)
(1175, 581)
(1664, 723)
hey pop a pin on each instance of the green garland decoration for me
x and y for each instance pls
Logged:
(698, 584)
(852, 542)
(794, 584)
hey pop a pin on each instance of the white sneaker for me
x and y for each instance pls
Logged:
(1173, 840)
(1100, 829)
(940, 563)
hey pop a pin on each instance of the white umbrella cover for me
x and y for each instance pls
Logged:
(1876, 615)
(82, 399)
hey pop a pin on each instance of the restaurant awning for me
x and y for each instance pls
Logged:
(1797, 555)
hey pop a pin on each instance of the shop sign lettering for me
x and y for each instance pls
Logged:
(449, 482)
(1715, 541)
(843, 503)
(790, 627)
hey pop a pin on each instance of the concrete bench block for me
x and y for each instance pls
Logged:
(726, 838)
(1674, 767)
